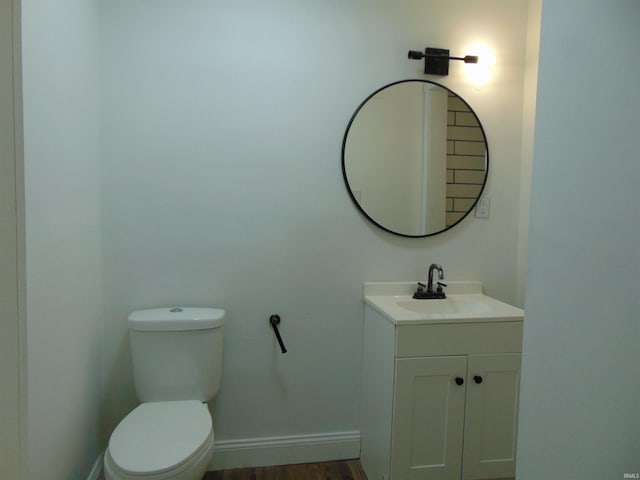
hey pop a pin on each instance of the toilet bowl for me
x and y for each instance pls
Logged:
(161, 441)
(177, 360)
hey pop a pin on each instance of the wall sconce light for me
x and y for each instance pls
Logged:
(436, 60)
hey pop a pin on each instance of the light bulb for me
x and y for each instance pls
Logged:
(482, 71)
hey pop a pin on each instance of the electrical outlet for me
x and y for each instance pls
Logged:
(483, 207)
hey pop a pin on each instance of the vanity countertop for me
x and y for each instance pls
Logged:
(465, 303)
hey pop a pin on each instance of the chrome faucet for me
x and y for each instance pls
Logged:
(429, 293)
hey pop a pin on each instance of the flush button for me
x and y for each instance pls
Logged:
(176, 310)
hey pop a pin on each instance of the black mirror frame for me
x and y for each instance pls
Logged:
(344, 170)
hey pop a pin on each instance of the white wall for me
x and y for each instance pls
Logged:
(63, 243)
(222, 186)
(579, 414)
(528, 131)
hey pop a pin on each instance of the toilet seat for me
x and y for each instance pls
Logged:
(159, 437)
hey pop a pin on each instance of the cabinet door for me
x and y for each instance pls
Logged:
(490, 417)
(428, 418)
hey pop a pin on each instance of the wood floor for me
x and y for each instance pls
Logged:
(339, 470)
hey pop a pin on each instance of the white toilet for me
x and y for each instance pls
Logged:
(177, 363)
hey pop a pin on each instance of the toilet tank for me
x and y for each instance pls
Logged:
(176, 353)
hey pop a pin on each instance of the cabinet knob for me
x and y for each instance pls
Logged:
(477, 379)
(459, 380)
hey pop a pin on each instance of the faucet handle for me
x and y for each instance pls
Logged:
(439, 290)
(421, 287)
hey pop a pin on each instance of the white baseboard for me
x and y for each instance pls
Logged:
(97, 472)
(265, 451)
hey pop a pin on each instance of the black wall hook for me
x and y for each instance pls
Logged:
(274, 320)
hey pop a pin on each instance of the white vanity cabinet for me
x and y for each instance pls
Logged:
(439, 400)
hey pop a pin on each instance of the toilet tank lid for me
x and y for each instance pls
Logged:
(176, 319)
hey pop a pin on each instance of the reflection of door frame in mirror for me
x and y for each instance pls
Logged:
(434, 109)
(432, 215)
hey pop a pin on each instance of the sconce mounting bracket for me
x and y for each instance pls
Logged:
(436, 61)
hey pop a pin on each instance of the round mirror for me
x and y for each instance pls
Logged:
(415, 158)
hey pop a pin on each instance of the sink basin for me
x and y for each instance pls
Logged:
(460, 304)
(465, 303)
